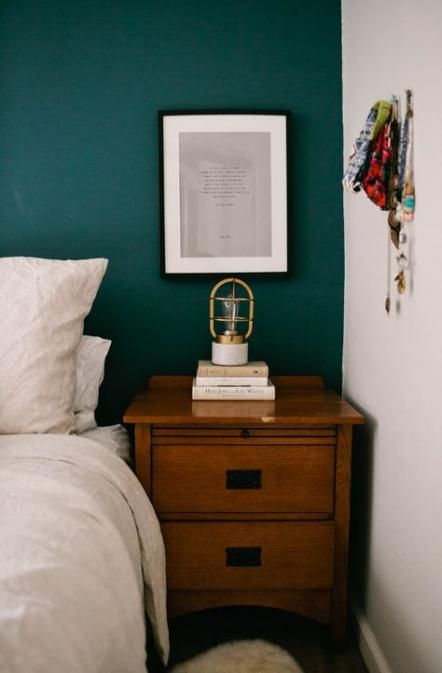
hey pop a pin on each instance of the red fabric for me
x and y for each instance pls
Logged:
(375, 182)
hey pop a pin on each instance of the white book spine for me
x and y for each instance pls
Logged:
(232, 380)
(233, 392)
(256, 368)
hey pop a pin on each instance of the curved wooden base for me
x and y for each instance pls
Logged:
(314, 604)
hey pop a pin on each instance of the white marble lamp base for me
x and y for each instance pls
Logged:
(230, 354)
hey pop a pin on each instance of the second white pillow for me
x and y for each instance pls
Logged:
(91, 356)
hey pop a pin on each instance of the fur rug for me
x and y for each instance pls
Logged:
(242, 656)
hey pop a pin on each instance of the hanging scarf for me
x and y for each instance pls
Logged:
(357, 162)
(378, 182)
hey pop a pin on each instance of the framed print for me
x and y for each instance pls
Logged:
(223, 192)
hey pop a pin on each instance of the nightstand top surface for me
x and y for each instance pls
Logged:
(299, 400)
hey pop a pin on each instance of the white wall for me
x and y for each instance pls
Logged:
(393, 364)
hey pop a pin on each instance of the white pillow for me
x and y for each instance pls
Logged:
(91, 356)
(43, 304)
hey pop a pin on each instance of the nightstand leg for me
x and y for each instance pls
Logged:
(342, 519)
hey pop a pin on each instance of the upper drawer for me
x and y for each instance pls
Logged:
(199, 434)
(243, 478)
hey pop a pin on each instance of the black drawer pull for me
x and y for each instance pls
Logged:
(245, 433)
(243, 479)
(243, 557)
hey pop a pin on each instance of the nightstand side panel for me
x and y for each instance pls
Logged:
(143, 455)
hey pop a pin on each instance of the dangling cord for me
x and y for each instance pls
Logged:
(388, 298)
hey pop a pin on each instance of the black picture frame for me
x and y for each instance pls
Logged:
(223, 192)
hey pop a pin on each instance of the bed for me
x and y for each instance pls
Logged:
(82, 566)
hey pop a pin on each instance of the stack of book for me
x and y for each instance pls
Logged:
(238, 382)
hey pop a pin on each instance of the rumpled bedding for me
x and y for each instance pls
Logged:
(81, 558)
(113, 437)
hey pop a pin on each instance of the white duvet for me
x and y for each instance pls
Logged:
(81, 555)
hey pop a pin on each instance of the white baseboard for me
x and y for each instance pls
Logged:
(368, 645)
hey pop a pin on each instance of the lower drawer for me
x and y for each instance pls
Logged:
(249, 555)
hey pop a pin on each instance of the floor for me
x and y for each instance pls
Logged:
(308, 642)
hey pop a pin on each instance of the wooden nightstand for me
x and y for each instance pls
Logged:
(253, 497)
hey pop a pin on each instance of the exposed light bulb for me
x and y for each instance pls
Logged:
(229, 311)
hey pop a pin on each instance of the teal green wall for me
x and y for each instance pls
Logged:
(80, 86)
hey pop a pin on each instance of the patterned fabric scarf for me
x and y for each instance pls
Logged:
(375, 181)
(380, 181)
(357, 162)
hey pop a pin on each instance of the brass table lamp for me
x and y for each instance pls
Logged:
(231, 308)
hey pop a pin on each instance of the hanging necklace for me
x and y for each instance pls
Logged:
(405, 208)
